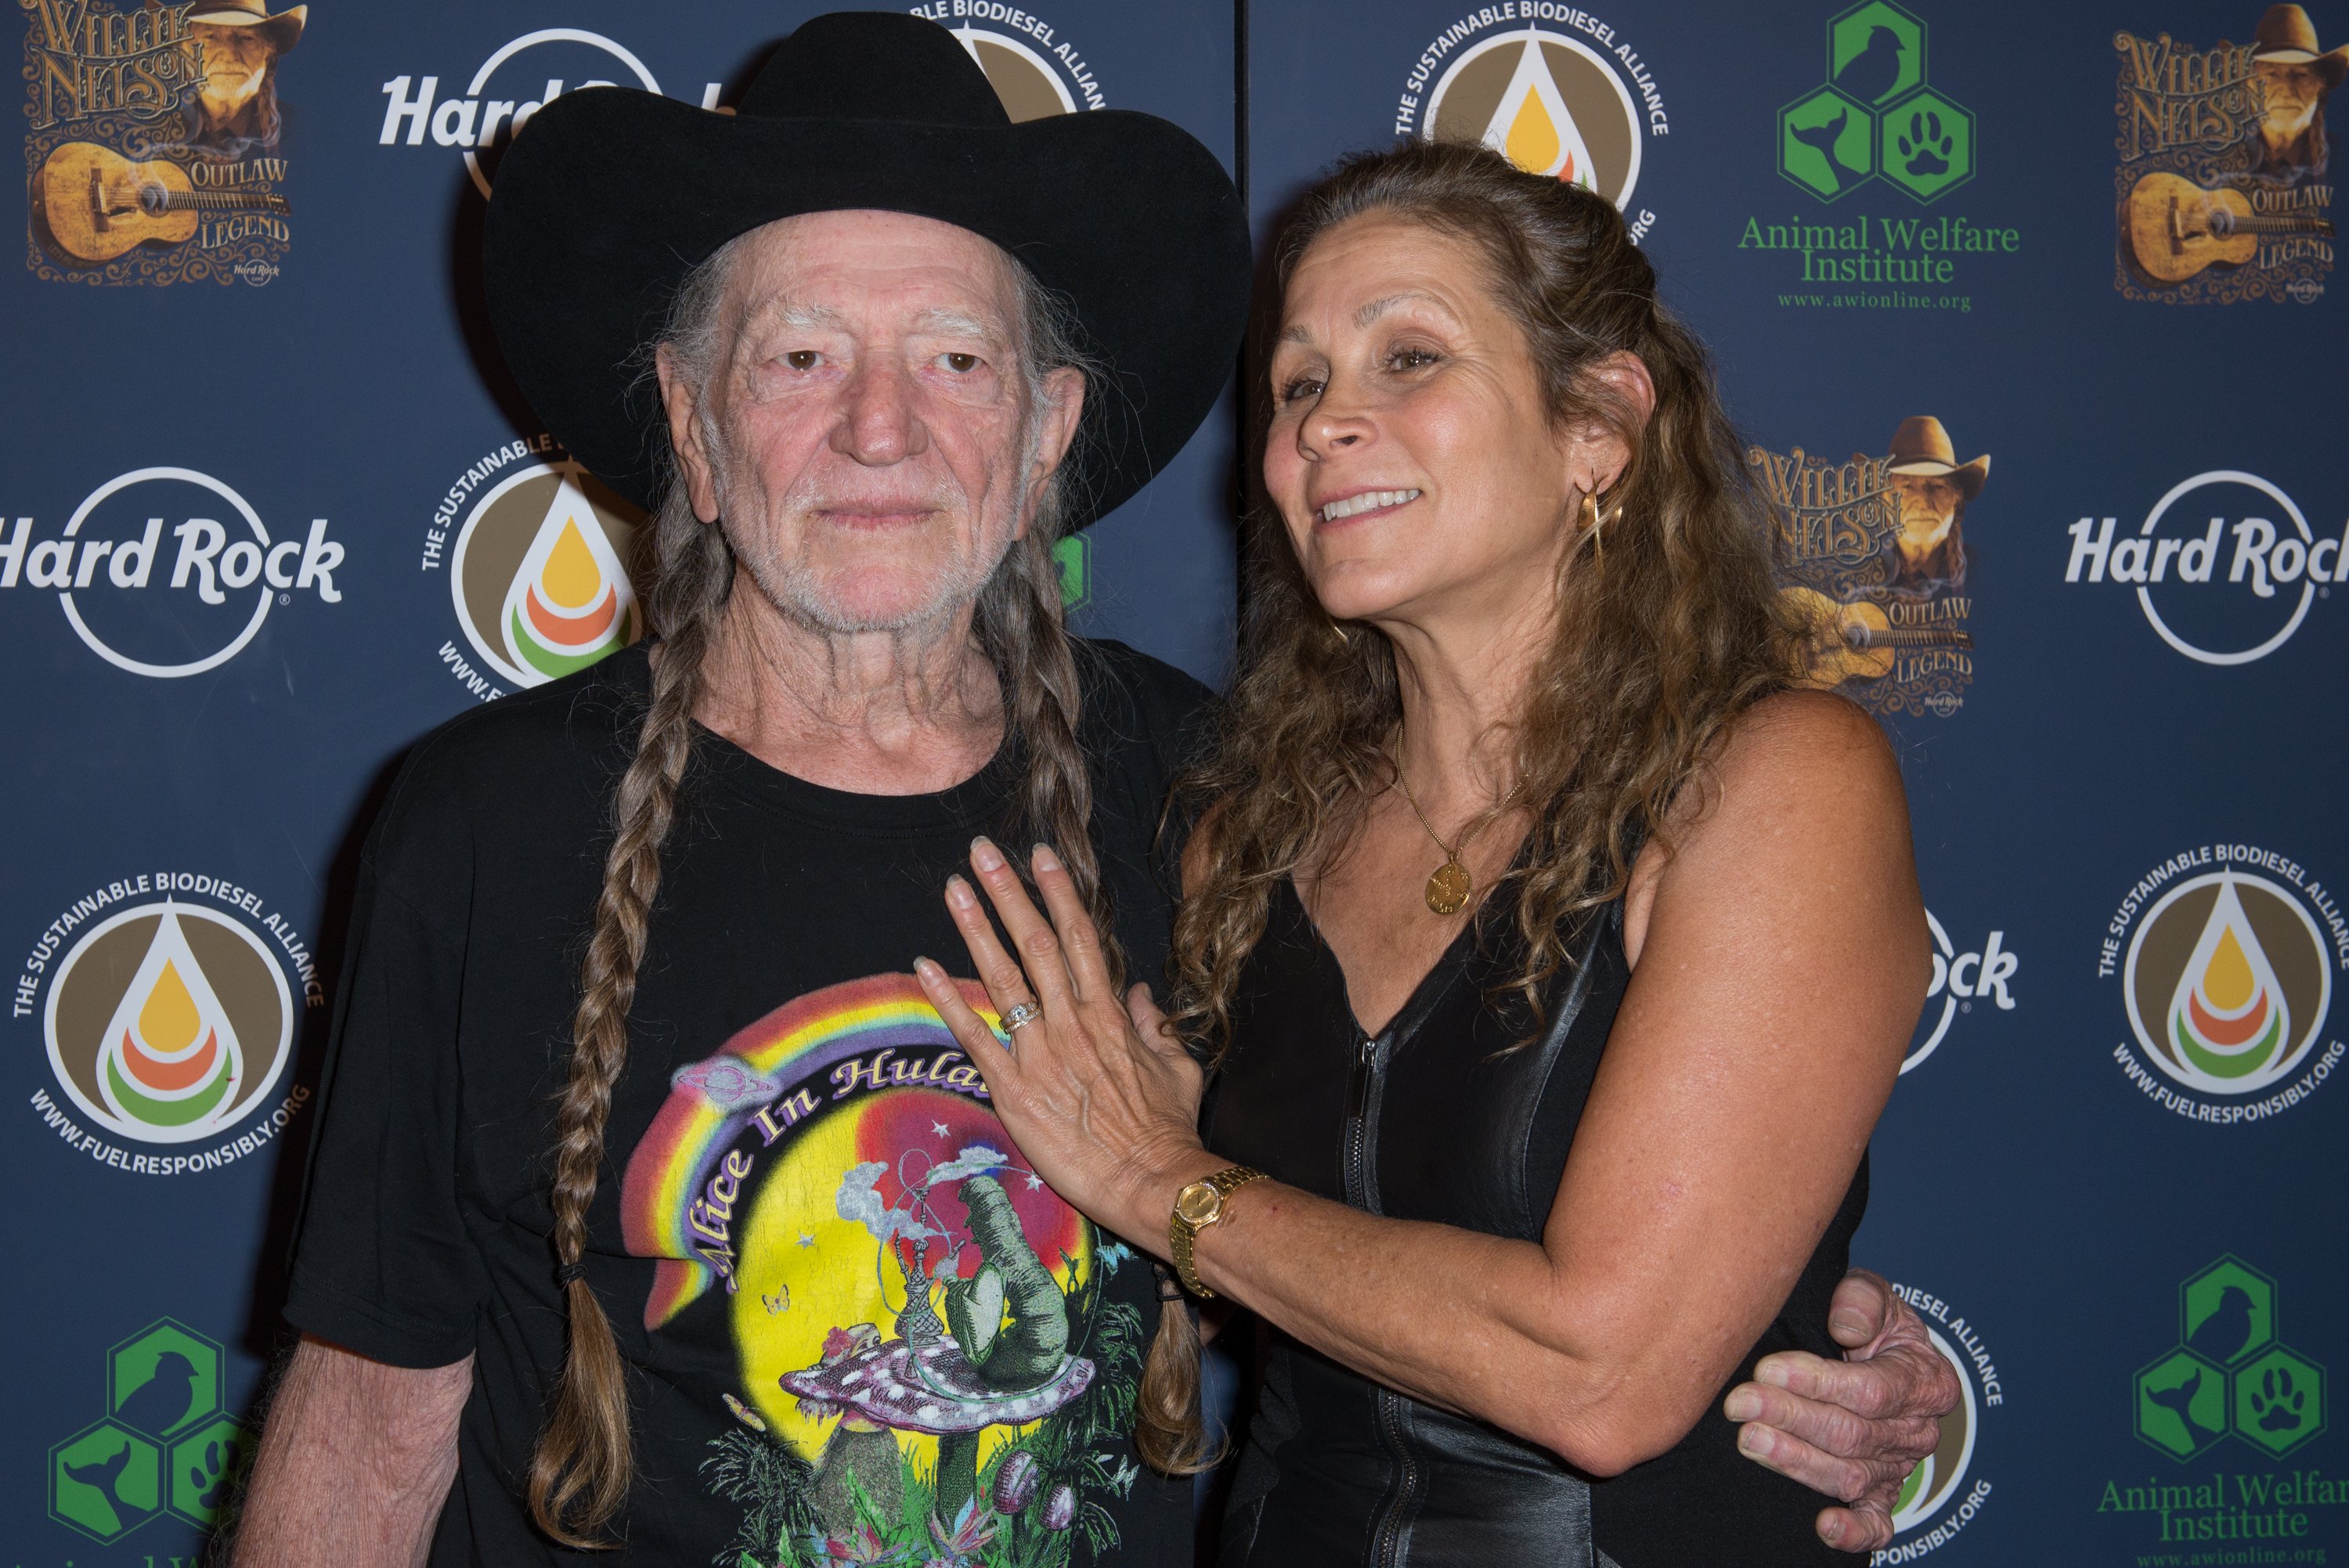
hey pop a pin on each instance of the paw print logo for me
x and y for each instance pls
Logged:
(1925, 146)
(2280, 1401)
(1929, 144)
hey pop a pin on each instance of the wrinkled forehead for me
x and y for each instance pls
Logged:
(875, 273)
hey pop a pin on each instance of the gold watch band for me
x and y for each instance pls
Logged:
(1182, 1230)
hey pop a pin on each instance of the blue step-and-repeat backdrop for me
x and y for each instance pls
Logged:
(2028, 314)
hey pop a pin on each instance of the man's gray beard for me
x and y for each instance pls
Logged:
(800, 595)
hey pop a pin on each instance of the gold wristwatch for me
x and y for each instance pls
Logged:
(1197, 1207)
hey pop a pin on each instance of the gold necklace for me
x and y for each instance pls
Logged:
(1449, 887)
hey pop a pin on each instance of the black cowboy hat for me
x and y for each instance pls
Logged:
(610, 195)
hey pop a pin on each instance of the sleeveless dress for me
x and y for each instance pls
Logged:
(1426, 1121)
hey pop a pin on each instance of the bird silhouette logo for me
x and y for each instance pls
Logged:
(1871, 74)
(165, 1399)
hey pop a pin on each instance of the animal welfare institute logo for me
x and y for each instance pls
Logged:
(166, 1445)
(536, 554)
(167, 571)
(1871, 553)
(1959, 980)
(2228, 1373)
(2275, 565)
(1877, 124)
(1945, 1493)
(2220, 192)
(169, 1020)
(2226, 977)
(156, 151)
(1552, 87)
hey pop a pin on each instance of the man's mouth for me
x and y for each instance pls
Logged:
(1365, 501)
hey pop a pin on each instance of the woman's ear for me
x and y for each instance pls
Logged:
(1621, 379)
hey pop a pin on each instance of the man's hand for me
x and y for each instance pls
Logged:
(1852, 1429)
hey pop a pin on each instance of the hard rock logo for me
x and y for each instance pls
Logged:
(169, 1023)
(538, 576)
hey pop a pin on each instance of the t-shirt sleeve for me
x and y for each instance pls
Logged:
(383, 1263)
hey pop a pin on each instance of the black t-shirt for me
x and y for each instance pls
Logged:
(796, 1136)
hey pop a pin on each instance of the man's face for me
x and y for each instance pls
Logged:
(235, 60)
(2296, 93)
(1930, 503)
(864, 434)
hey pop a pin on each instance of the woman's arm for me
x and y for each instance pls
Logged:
(1781, 970)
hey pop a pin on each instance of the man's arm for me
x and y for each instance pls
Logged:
(1852, 1429)
(356, 1461)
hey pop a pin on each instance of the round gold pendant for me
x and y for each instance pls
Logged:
(1447, 890)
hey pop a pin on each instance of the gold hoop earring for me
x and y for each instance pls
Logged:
(1590, 525)
(1345, 638)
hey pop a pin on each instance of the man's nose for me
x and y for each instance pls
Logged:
(879, 424)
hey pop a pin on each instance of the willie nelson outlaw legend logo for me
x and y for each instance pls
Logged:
(1872, 552)
(1551, 88)
(156, 149)
(2221, 193)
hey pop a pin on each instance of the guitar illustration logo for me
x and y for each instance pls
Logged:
(1871, 561)
(157, 141)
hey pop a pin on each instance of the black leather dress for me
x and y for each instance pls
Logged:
(1436, 1119)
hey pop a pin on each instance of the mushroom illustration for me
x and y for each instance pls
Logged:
(953, 1386)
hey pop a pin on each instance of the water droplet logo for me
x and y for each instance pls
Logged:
(169, 1022)
(2227, 982)
(538, 578)
(1549, 104)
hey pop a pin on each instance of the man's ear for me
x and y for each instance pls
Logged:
(1064, 400)
(1621, 378)
(681, 403)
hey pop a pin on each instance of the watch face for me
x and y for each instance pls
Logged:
(1199, 1202)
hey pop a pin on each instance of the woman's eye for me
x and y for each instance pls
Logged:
(960, 363)
(803, 358)
(1411, 359)
(1302, 386)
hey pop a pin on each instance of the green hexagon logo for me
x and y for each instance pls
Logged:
(2182, 1404)
(2280, 1401)
(1826, 143)
(163, 1379)
(1876, 52)
(2228, 1311)
(207, 1468)
(105, 1480)
(1074, 557)
(1927, 144)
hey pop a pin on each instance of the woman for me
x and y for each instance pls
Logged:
(1527, 896)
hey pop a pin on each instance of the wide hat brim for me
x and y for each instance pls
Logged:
(610, 195)
(1969, 476)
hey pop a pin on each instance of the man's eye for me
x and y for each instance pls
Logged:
(803, 358)
(960, 363)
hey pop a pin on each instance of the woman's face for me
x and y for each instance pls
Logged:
(1411, 455)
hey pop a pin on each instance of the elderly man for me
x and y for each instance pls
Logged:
(652, 1202)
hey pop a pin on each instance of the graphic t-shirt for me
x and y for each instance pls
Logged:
(857, 1326)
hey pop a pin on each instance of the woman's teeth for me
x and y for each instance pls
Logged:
(1369, 500)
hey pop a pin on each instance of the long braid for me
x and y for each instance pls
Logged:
(585, 1460)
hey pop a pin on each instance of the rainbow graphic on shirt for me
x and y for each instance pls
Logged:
(678, 1193)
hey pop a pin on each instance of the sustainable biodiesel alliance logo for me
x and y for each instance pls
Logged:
(167, 1005)
(1550, 86)
(1876, 124)
(166, 571)
(2226, 565)
(2225, 956)
(1945, 1493)
(536, 555)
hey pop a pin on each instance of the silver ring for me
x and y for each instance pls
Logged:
(1020, 1015)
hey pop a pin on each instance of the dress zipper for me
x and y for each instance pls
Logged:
(1365, 1082)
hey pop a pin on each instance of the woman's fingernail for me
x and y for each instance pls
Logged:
(985, 855)
(1046, 861)
(959, 893)
(926, 969)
